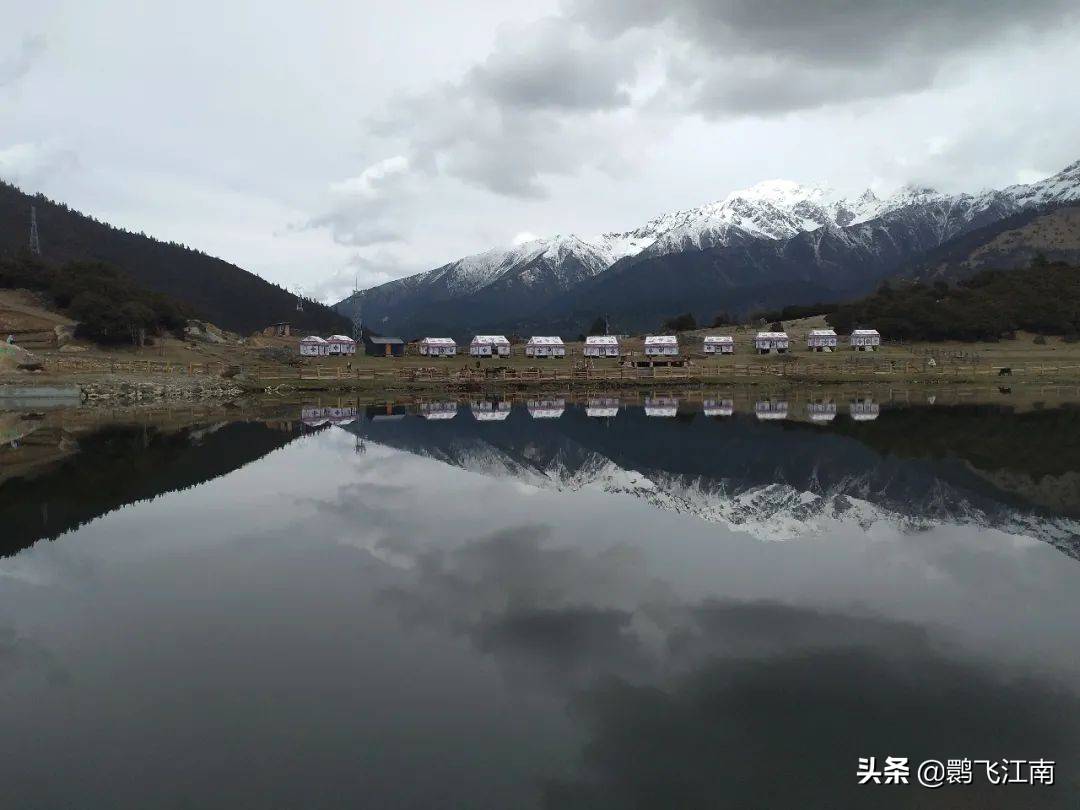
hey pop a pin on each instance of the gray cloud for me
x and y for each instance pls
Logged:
(13, 68)
(789, 723)
(547, 101)
(743, 56)
(555, 65)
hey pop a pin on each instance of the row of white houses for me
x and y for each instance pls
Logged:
(315, 346)
(822, 340)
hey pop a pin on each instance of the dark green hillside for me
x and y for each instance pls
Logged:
(1044, 298)
(108, 305)
(217, 291)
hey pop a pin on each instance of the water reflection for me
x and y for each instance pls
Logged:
(603, 407)
(490, 609)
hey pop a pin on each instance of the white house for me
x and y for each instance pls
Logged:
(340, 344)
(719, 344)
(602, 407)
(661, 406)
(438, 410)
(314, 346)
(546, 408)
(771, 409)
(865, 340)
(766, 342)
(438, 347)
(864, 410)
(601, 346)
(489, 346)
(821, 340)
(657, 345)
(485, 410)
(718, 407)
(821, 411)
(545, 347)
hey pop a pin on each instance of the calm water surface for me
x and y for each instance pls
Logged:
(552, 605)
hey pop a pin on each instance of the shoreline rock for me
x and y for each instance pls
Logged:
(151, 390)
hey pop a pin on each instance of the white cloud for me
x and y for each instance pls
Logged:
(368, 184)
(31, 164)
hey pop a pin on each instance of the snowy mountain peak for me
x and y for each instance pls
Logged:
(784, 194)
(772, 210)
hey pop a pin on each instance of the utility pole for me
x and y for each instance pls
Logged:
(357, 318)
(299, 299)
(35, 239)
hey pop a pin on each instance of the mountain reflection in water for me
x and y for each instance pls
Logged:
(913, 466)
(551, 603)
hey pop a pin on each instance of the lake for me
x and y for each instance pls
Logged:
(546, 603)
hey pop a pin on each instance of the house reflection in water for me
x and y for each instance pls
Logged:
(602, 407)
(546, 408)
(718, 407)
(864, 410)
(821, 412)
(661, 406)
(485, 410)
(771, 409)
(314, 415)
(438, 410)
(384, 413)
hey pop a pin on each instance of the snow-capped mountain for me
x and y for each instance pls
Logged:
(776, 242)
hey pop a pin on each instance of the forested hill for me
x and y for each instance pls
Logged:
(222, 293)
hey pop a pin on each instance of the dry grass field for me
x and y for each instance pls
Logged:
(277, 360)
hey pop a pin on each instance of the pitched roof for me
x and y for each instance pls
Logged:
(661, 340)
(539, 340)
(601, 340)
(500, 339)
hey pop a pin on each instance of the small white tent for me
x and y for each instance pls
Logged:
(865, 340)
(340, 344)
(545, 347)
(821, 340)
(766, 342)
(489, 346)
(438, 347)
(719, 344)
(661, 345)
(313, 346)
(601, 346)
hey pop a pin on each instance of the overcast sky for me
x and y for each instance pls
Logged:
(311, 142)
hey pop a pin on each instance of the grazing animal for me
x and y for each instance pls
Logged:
(1005, 372)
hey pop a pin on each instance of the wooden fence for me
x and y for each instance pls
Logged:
(801, 369)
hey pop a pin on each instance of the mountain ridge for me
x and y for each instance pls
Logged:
(223, 293)
(774, 243)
